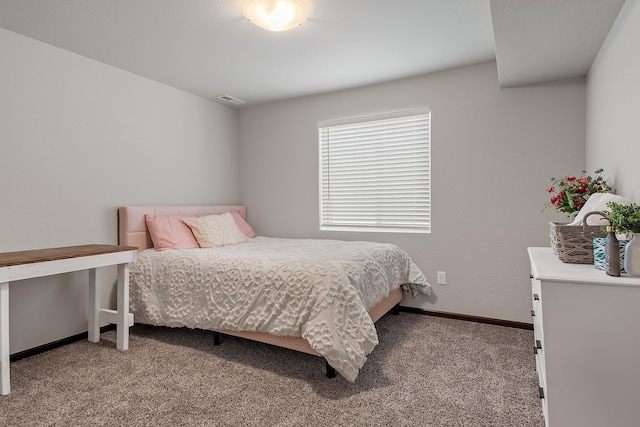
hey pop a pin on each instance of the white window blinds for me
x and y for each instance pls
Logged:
(375, 174)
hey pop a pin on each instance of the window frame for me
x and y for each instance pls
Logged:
(421, 214)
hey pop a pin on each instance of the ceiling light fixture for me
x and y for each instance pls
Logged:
(275, 15)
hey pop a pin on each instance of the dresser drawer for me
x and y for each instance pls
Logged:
(536, 308)
(536, 318)
(538, 350)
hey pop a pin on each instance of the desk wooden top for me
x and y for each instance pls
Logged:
(8, 259)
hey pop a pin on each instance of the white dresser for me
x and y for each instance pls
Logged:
(587, 343)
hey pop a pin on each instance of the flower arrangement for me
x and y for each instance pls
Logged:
(570, 193)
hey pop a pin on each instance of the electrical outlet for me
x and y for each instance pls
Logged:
(442, 277)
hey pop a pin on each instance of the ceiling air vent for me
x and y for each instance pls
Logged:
(232, 100)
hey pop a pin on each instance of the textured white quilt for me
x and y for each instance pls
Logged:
(320, 290)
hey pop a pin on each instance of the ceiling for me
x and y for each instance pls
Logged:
(544, 40)
(208, 48)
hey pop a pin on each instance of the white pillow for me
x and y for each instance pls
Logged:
(598, 202)
(213, 231)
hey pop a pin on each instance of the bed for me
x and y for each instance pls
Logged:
(269, 289)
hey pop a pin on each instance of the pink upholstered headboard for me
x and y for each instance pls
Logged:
(132, 228)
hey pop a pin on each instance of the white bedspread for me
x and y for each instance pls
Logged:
(320, 290)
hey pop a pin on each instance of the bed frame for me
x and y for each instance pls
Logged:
(132, 231)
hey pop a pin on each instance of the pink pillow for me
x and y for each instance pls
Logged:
(169, 232)
(242, 224)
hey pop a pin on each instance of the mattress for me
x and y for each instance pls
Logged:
(319, 290)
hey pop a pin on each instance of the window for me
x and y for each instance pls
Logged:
(375, 173)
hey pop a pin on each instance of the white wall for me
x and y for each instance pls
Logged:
(613, 103)
(494, 151)
(78, 139)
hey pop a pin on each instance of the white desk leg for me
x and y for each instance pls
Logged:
(94, 307)
(122, 342)
(4, 338)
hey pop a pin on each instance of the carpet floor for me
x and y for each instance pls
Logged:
(426, 371)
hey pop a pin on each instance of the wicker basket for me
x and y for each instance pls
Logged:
(573, 244)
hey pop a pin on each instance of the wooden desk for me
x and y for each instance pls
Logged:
(46, 262)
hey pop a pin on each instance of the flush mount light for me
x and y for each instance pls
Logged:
(275, 15)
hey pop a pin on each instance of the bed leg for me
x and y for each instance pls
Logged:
(331, 372)
(396, 309)
(216, 338)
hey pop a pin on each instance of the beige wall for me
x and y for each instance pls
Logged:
(493, 152)
(613, 104)
(78, 139)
